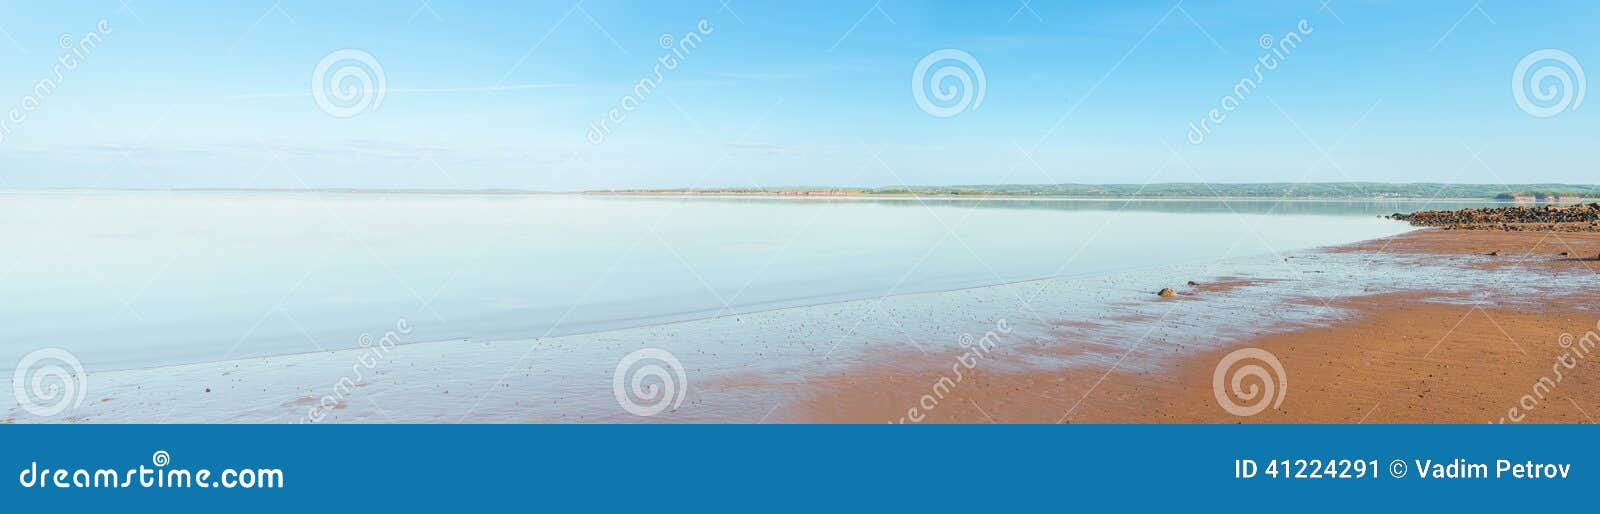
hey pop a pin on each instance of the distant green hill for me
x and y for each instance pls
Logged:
(1327, 190)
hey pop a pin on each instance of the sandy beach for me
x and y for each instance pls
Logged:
(1398, 357)
(1432, 326)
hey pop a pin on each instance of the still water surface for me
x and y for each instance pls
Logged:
(135, 279)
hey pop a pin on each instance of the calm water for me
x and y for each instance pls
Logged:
(127, 279)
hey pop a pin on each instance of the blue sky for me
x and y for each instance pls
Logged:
(483, 95)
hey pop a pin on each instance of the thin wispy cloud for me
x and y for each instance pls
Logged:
(417, 91)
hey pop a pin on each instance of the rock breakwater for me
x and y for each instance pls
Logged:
(1564, 218)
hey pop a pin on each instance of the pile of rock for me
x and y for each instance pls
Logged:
(1571, 218)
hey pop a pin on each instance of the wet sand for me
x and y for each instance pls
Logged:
(1425, 327)
(1407, 357)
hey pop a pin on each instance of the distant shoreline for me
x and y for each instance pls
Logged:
(808, 195)
(1519, 193)
(690, 194)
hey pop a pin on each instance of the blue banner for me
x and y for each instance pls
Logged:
(795, 467)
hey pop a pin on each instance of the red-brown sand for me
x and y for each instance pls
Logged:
(1400, 359)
